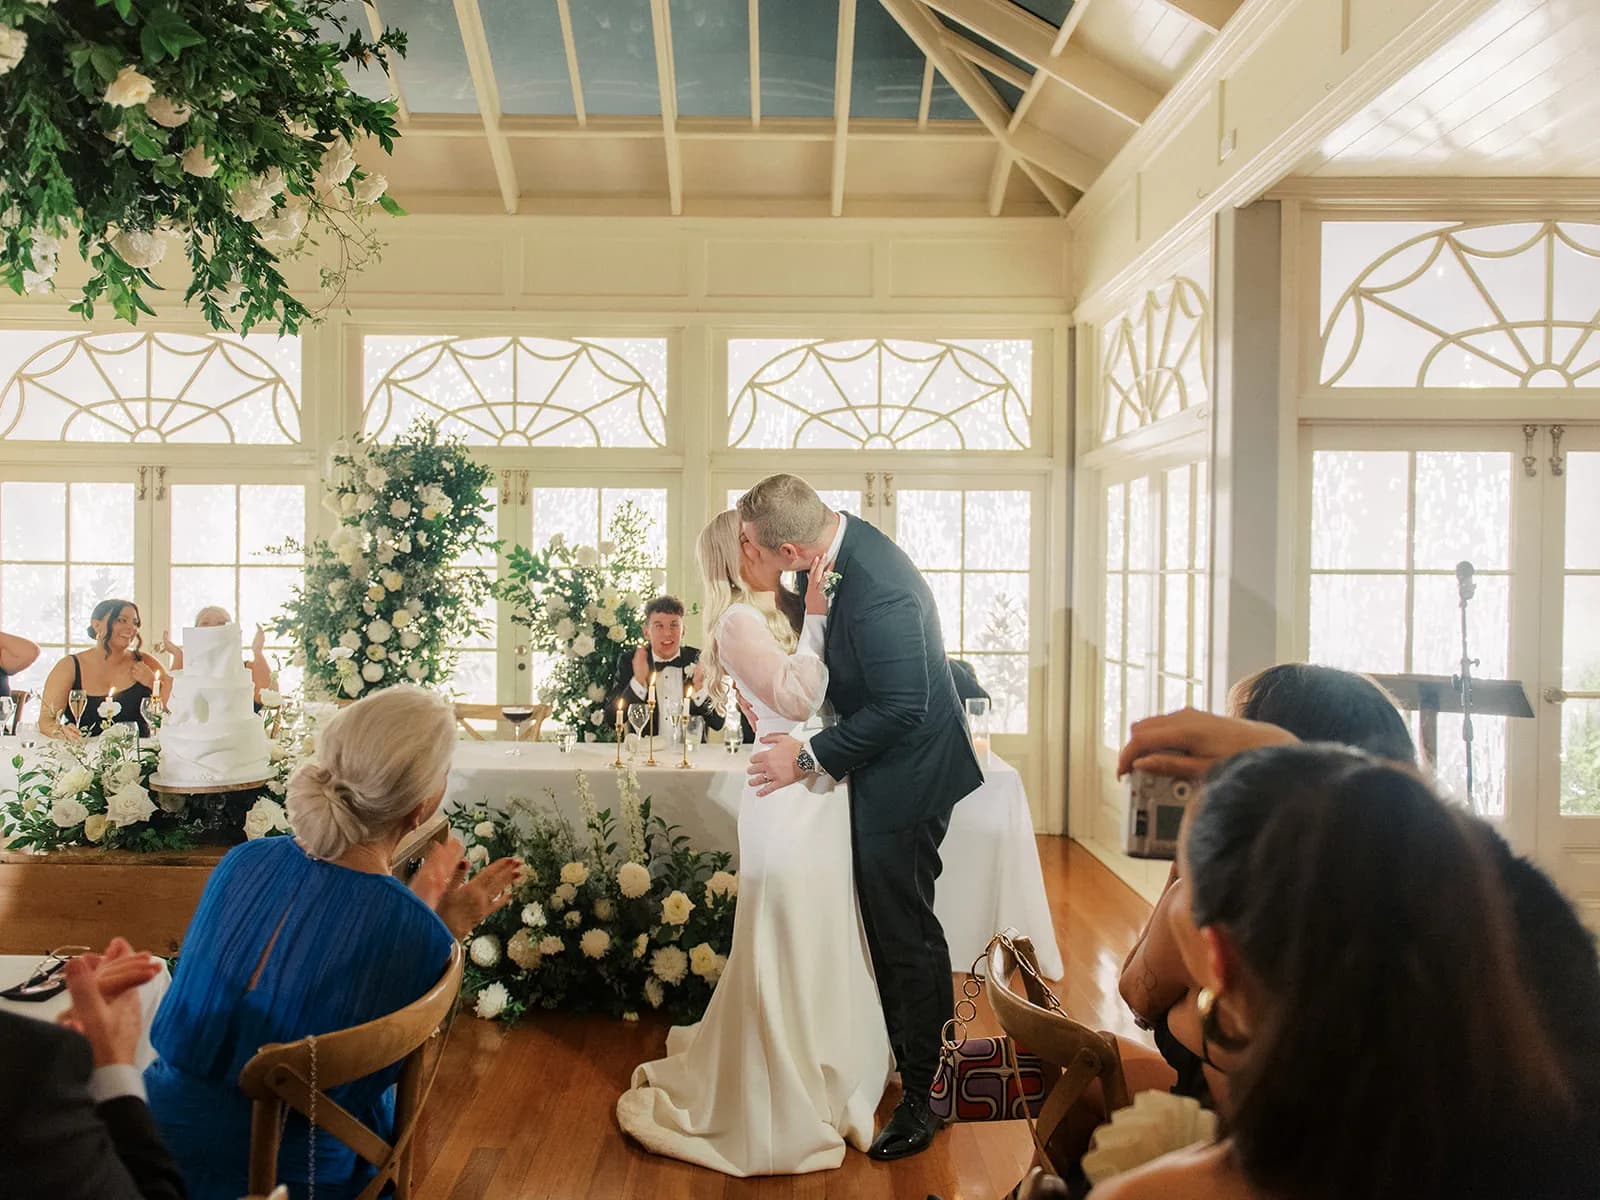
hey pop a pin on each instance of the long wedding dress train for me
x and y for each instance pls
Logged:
(792, 1055)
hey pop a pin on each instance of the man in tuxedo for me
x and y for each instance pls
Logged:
(664, 657)
(901, 739)
(74, 1124)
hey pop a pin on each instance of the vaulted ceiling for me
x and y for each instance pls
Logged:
(1004, 107)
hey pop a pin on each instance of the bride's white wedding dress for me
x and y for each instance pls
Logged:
(792, 1056)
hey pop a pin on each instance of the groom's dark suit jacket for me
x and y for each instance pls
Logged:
(902, 734)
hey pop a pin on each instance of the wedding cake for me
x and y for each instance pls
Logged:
(212, 735)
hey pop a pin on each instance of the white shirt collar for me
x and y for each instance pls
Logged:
(838, 542)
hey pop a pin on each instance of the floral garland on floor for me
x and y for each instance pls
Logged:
(97, 793)
(584, 605)
(224, 126)
(629, 920)
(383, 600)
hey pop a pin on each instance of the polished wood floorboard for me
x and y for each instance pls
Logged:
(527, 1114)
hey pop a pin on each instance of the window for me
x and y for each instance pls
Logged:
(879, 394)
(476, 677)
(1156, 359)
(1129, 586)
(64, 547)
(520, 391)
(1387, 530)
(149, 387)
(1185, 562)
(1460, 306)
(1580, 644)
(974, 548)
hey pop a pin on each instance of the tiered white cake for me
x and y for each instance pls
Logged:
(212, 735)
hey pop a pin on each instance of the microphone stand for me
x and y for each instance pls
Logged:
(1463, 682)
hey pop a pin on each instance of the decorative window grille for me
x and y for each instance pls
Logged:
(520, 391)
(879, 394)
(1156, 358)
(1510, 305)
(149, 387)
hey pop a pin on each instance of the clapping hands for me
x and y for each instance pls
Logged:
(106, 1005)
(461, 902)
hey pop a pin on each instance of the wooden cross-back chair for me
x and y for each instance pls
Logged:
(1074, 1055)
(280, 1076)
(466, 713)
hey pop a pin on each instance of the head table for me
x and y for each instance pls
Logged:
(991, 876)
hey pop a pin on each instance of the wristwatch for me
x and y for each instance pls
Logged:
(805, 762)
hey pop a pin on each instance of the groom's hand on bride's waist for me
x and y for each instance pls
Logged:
(775, 767)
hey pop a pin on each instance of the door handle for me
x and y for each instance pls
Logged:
(521, 650)
(161, 483)
(871, 477)
(888, 490)
(1553, 695)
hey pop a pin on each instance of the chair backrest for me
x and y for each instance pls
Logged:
(282, 1075)
(416, 844)
(1079, 1055)
(466, 713)
(20, 696)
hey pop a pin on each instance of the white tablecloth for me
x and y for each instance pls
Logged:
(991, 873)
(14, 968)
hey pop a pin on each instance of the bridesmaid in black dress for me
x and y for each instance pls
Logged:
(114, 662)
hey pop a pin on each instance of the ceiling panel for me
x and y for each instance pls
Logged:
(711, 53)
(371, 82)
(757, 169)
(1147, 39)
(1080, 122)
(958, 172)
(886, 78)
(799, 43)
(590, 166)
(616, 57)
(529, 56)
(1512, 94)
(436, 164)
(433, 75)
(1054, 11)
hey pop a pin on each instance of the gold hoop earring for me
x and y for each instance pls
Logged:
(1211, 1030)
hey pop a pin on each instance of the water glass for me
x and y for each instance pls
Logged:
(567, 742)
(978, 723)
(695, 729)
(8, 709)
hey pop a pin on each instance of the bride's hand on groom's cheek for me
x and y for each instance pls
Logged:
(774, 767)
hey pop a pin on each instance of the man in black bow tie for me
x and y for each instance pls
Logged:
(666, 660)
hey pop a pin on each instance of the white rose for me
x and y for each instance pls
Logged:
(287, 224)
(400, 619)
(347, 504)
(484, 950)
(165, 113)
(597, 718)
(617, 633)
(128, 89)
(575, 873)
(556, 605)
(377, 478)
(492, 1001)
(654, 994)
(393, 580)
(415, 671)
(595, 943)
(377, 592)
(533, 915)
(596, 693)
(675, 909)
(365, 502)
(271, 699)
(564, 895)
(372, 672)
(558, 541)
(338, 161)
(264, 817)
(399, 509)
(370, 188)
(138, 248)
(669, 964)
(583, 645)
(607, 549)
(721, 883)
(379, 631)
(350, 640)
(410, 639)
(414, 607)
(352, 684)
(130, 806)
(604, 909)
(640, 945)
(565, 629)
(658, 579)
(574, 919)
(550, 944)
(483, 829)
(702, 959)
(429, 512)
(523, 951)
(198, 163)
(13, 44)
(633, 879)
(67, 812)
(94, 826)
(478, 855)
(70, 783)
(249, 202)
(377, 653)
(587, 557)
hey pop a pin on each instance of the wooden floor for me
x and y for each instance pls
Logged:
(528, 1114)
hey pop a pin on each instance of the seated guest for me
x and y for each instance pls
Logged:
(305, 935)
(664, 658)
(74, 1124)
(114, 669)
(17, 654)
(209, 618)
(1359, 960)
(967, 685)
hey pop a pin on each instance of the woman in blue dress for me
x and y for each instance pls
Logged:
(310, 934)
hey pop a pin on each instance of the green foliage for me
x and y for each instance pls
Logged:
(537, 942)
(585, 606)
(251, 101)
(382, 600)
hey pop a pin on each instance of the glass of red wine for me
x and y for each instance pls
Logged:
(518, 715)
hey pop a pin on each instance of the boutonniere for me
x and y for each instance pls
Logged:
(830, 583)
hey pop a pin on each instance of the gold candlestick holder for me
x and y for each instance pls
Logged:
(650, 727)
(617, 765)
(683, 729)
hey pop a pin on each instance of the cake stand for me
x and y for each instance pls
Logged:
(202, 789)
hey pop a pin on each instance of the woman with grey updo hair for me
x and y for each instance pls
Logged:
(298, 936)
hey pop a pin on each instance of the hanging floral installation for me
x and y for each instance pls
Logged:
(384, 599)
(219, 130)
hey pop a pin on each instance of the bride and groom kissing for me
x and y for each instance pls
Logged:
(839, 972)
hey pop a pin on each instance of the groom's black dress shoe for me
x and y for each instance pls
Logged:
(910, 1131)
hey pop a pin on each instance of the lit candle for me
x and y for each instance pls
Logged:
(652, 687)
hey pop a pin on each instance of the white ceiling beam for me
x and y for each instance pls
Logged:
(926, 102)
(564, 10)
(700, 129)
(481, 66)
(1019, 32)
(843, 63)
(666, 79)
(1037, 149)
(755, 64)
(1213, 14)
(375, 24)
(1004, 160)
(1000, 68)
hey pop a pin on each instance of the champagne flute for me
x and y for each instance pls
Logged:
(150, 710)
(517, 714)
(77, 701)
(8, 708)
(638, 714)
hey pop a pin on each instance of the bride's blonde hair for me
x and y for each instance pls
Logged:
(718, 552)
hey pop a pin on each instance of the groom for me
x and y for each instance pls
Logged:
(902, 740)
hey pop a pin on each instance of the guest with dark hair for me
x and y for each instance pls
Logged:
(665, 659)
(114, 670)
(1325, 704)
(1363, 988)
(17, 654)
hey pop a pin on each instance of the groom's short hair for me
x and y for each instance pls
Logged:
(784, 509)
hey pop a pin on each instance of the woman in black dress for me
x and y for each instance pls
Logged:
(115, 662)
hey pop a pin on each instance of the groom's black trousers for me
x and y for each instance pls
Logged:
(895, 874)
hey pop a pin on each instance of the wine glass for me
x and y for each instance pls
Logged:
(77, 701)
(150, 710)
(8, 708)
(517, 714)
(638, 714)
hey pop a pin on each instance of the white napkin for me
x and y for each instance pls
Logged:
(1156, 1123)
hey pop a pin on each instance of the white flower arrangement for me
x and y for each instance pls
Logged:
(524, 951)
(722, 883)
(575, 873)
(633, 880)
(669, 964)
(573, 919)
(533, 915)
(492, 1001)
(595, 943)
(675, 909)
(550, 944)
(484, 950)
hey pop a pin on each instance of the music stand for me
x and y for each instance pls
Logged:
(1430, 695)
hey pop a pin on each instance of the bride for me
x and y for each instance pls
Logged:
(792, 1056)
